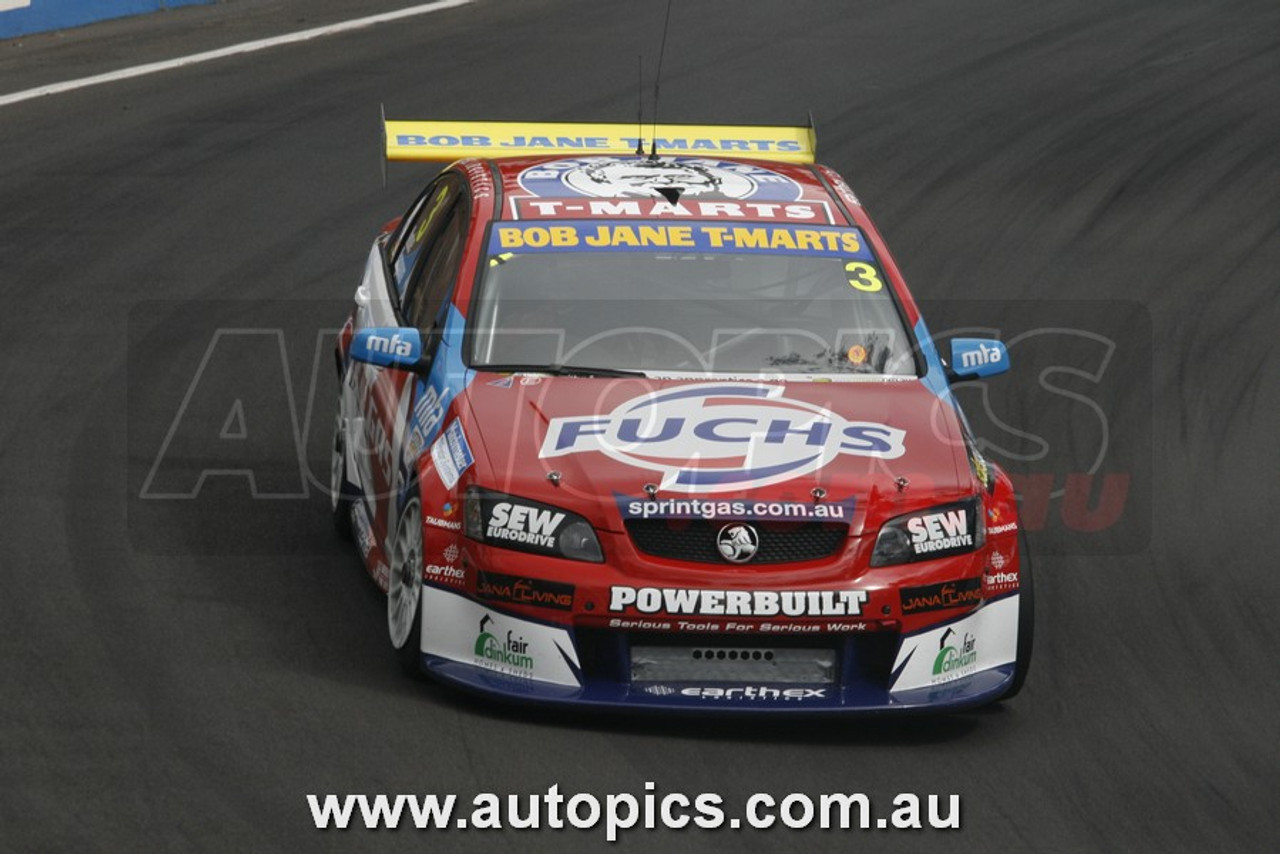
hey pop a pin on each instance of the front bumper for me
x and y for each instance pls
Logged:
(954, 664)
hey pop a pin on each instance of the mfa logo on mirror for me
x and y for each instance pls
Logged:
(978, 357)
(387, 346)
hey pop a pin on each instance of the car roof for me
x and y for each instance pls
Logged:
(668, 185)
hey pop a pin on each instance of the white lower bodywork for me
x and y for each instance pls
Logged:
(985, 639)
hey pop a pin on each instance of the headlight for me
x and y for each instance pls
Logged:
(508, 522)
(949, 529)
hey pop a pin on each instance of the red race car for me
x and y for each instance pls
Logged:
(657, 424)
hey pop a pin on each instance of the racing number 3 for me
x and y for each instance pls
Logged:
(863, 276)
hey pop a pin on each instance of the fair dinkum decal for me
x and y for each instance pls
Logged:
(459, 629)
(737, 603)
(509, 652)
(986, 638)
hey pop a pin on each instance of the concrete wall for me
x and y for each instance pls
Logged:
(20, 17)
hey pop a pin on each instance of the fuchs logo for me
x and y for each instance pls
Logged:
(510, 653)
(738, 543)
(714, 437)
(639, 177)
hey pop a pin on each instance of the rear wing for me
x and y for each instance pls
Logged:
(448, 141)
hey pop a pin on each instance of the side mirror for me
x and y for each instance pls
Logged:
(976, 358)
(390, 347)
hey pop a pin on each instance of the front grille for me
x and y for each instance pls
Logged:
(607, 655)
(695, 540)
(739, 663)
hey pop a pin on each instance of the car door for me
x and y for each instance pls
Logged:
(417, 260)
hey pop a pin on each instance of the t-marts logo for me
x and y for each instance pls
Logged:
(713, 437)
(640, 177)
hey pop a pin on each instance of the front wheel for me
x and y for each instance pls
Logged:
(1026, 618)
(340, 494)
(404, 588)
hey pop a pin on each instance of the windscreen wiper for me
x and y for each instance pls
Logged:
(560, 370)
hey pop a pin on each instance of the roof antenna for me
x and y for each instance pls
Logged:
(640, 106)
(382, 156)
(653, 151)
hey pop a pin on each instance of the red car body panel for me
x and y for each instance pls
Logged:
(527, 438)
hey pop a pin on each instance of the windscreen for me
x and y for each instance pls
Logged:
(689, 298)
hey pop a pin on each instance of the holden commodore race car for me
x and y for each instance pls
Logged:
(666, 430)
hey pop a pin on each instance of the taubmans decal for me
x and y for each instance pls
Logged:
(716, 437)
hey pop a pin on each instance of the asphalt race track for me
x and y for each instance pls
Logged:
(1097, 181)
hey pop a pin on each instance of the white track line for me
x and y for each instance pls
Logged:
(234, 50)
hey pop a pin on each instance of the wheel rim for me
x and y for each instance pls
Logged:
(405, 584)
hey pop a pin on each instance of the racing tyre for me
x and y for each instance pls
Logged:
(340, 493)
(1026, 618)
(404, 588)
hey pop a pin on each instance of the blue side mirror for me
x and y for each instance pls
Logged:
(388, 347)
(975, 358)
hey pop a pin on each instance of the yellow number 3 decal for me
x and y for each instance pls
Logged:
(863, 277)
